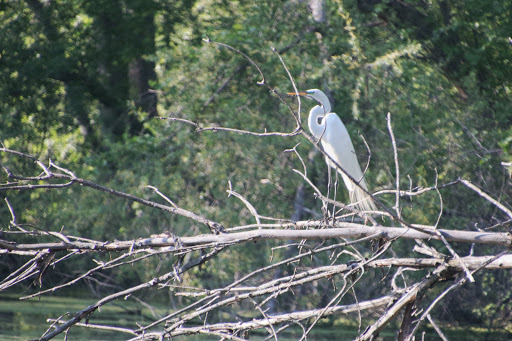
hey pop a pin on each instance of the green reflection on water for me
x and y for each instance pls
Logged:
(23, 320)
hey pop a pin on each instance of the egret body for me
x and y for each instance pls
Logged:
(327, 127)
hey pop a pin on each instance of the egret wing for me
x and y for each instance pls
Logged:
(337, 143)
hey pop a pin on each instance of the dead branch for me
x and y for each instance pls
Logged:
(273, 319)
(340, 230)
(397, 166)
(89, 310)
(307, 268)
(214, 226)
(486, 197)
(409, 296)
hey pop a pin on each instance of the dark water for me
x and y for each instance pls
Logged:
(24, 320)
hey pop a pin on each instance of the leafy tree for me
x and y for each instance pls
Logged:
(82, 83)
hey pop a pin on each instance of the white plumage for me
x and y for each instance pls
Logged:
(336, 142)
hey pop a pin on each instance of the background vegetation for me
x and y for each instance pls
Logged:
(83, 83)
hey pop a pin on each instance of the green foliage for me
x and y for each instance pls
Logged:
(443, 73)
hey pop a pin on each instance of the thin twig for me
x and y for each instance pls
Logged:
(297, 116)
(157, 191)
(208, 40)
(177, 119)
(417, 190)
(97, 326)
(437, 329)
(397, 167)
(13, 216)
(486, 196)
(246, 202)
(369, 156)
(440, 201)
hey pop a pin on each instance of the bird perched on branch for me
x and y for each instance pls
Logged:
(327, 127)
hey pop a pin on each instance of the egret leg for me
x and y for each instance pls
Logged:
(325, 207)
(335, 192)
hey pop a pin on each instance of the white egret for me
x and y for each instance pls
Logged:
(337, 144)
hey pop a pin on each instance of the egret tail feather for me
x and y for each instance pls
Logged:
(362, 201)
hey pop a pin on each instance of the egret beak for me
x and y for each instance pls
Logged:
(300, 93)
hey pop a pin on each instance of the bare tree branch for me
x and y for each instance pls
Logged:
(287, 231)
(486, 197)
(214, 226)
(89, 310)
(275, 319)
(397, 167)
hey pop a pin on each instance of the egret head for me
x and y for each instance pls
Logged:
(317, 95)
